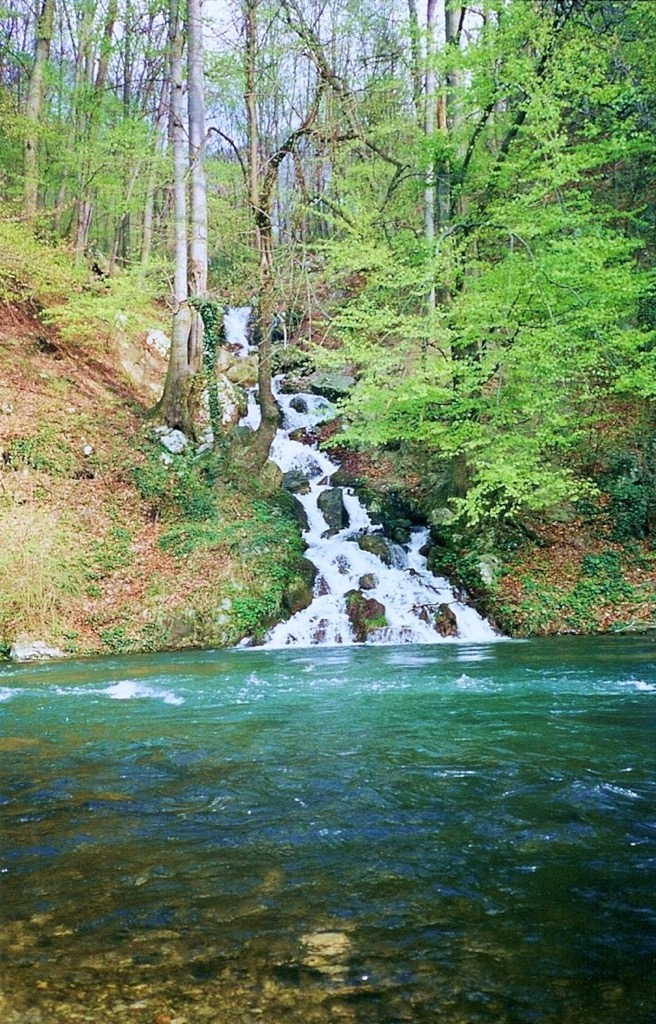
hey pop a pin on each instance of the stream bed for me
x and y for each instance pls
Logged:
(454, 832)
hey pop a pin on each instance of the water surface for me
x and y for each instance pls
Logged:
(457, 833)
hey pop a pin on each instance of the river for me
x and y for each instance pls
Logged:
(454, 832)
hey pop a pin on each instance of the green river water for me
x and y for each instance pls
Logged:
(449, 833)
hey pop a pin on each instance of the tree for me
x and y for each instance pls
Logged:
(176, 407)
(34, 106)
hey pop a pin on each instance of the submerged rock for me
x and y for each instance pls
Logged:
(299, 404)
(25, 648)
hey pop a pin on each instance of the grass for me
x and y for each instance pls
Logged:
(42, 571)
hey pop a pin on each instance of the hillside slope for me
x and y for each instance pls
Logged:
(105, 547)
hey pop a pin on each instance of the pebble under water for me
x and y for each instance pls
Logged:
(456, 833)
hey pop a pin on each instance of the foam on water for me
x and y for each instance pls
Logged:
(409, 592)
(124, 689)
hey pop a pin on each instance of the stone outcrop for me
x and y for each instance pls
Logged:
(445, 621)
(25, 648)
(366, 614)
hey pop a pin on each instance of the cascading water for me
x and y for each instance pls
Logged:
(401, 600)
(367, 589)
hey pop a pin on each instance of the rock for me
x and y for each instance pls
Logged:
(298, 404)
(442, 516)
(446, 622)
(326, 951)
(331, 503)
(292, 507)
(298, 595)
(365, 614)
(368, 581)
(25, 648)
(173, 440)
(243, 372)
(159, 341)
(296, 482)
(231, 400)
(88, 449)
(376, 545)
(270, 478)
(332, 384)
(488, 566)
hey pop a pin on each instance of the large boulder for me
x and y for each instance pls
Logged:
(376, 545)
(366, 614)
(332, 384)
(331, 503)
(25, 648)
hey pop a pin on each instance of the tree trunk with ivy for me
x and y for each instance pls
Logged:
(177, 404)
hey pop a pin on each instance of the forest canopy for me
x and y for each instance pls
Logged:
(456, 199)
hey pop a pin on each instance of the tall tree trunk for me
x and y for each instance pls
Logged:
(176, 404)
(263, 244)
(33, 107)
(430, 187)
(198, 223)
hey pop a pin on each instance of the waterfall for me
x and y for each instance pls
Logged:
(403, 602)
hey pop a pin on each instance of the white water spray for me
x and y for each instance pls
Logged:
(399, 581)
(408, 592)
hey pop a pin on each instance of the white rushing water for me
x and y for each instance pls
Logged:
(410, 595)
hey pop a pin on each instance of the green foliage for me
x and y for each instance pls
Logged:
(32, 271)
(548, 606)
(211, 314)
(183, 538)
(117, 640)
(629, 505)
(125, 304)
(112, 553)
(46, 451)
(537, 327)
(181, 490)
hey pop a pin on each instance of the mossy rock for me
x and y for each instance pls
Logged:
(366, 614)
(299, 592)
(376, 545)
(292, 508)
(445, 621)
